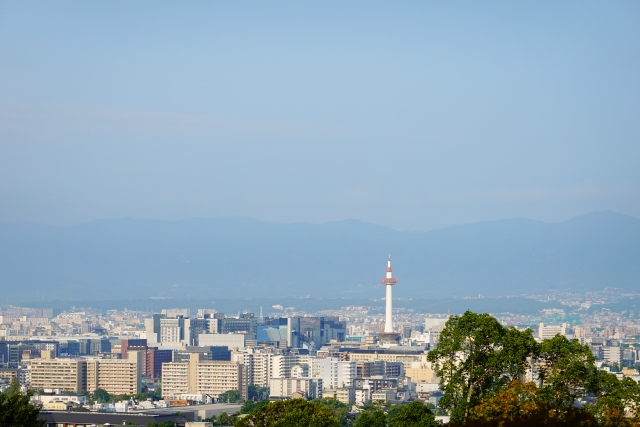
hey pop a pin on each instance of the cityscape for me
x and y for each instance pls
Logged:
(208, 362)
(319, 214)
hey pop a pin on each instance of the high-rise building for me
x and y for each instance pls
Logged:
(65, 374)
(152, 360)
(334, 372)
(210, 377)
(152, 328)
(116, 376)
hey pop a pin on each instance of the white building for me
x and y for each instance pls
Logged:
(281, 365)
(548, 332)
(334, 373)
(311, 388)
(231, 341)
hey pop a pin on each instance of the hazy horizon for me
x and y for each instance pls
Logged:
(317, 223)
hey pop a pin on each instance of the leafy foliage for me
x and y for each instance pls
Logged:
(230, 396)
(339, 409)
(476, 356)
(290, 413)
(374, 418)
(162, 424)
(16, 410)
(480, 364)
(250, 406)
(566, 371)
(415, 414)
(101, 396)
(618, 401)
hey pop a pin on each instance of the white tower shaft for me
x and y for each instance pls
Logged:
(388, 323)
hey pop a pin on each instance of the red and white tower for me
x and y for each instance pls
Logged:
(389, 281)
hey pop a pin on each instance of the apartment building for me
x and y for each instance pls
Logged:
(116, 376)
(175, 379)
(257, 366)
(280, 365)
(65, 374)
(210, 377)
(334, 372)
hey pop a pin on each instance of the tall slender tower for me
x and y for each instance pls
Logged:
(389, 281)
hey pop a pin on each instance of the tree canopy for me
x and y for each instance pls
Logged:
(16, 410)
(481, 365)
(415, 414)
(475, 356)
(230, 396)
(290, 413)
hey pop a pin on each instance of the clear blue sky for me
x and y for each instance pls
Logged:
(415, 115)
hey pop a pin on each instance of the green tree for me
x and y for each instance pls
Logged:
(14, 387)
(566, 371)
(230, 396)
(249, 406)
(476, 356)
(617, 402)
(102, 396)
(167, 423)
(162, 424)
(290, 413)
(17, 411)
(415, 414)
(373, 418)
(225, 419)
(339, 409)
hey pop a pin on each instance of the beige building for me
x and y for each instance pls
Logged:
(406, 359)
(210, 377)
(175, 379)
(421, 373)
(116, 376)
(258, 366)
(65, 374)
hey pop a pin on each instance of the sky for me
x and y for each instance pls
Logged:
(415, 115)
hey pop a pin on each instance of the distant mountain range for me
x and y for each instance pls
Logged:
(245, 258)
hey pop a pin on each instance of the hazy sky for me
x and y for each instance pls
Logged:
(415, 115)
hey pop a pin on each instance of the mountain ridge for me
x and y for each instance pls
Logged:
(239, 256)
